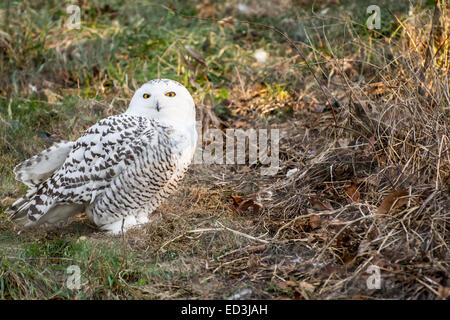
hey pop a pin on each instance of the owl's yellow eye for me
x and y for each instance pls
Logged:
(146, 96)
(171, 94)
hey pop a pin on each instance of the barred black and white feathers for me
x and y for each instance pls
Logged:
(38, 168)
(120, 170)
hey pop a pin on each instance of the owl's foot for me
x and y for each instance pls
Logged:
(123, 225)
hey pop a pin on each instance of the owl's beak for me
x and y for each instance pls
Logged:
(157, 106)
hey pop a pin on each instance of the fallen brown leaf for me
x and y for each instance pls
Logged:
(444, 292)
(236, 200)
(196, 56)
(227, 22)
(255, 249)
(353, 193)
(250, 203)
(320, 205)
(307, 286)
(51, 96)
(315, 222)
(287, 284)
(377, 88)
(242, 205)
(292, 284)
(205, 11)
(244, 169)
(240, 124)
(393, 201)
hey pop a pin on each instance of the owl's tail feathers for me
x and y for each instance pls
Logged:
(32, 210)
(41, 166)
(18, 211)
(24, 211)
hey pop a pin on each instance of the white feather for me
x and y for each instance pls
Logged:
(41, 166)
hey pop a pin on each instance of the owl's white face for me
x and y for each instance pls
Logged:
(164, 99)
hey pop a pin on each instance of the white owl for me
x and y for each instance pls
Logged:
(120, 170)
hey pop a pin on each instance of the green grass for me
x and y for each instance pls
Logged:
(39, 269)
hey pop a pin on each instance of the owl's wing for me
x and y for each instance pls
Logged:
(102, 153)
(38, 168)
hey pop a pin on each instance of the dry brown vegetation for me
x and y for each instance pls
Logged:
(371, 185)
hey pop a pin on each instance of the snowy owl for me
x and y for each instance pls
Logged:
(120, 170)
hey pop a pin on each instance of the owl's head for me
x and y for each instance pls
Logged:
(165, 100)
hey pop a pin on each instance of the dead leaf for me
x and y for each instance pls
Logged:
(300, 226)
(245, 169)
(377, 88)
(444, 292)
(250, 203)
(195, 55)
(306, 286)
(320, 205)
(227, 22)
(393, 201)
(240, 124)
(287, 284)
(253, 261)
(315, 222)
(256, 249)
(353, 193)
(292, 284)
(242, 205)
(51, 96)
(205, 11)
(236, 200)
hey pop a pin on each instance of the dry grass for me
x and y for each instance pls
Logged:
(372, 180)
